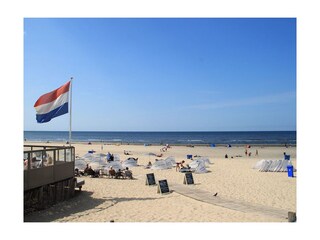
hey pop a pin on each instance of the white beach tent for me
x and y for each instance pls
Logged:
(116, 165)
(271, 165)
(206, 160)
(130, 162)
(258, 164)
(96, 161)
(198, 166)
(80, 163)
(162, 164)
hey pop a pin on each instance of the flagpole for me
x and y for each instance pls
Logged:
(70, 110)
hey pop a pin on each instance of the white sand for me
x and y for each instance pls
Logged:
(104, 199)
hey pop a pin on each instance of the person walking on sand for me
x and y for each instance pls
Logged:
(257, 152)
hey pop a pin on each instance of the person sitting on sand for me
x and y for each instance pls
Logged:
(112, 172)
(149, 165)
(226, 156)
(108, 156)
(91, 171)
(128, 173)
(86, 170)
(159, 155)
(119, 173)
(184, 168)
(126, 152)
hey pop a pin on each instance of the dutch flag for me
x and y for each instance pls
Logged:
(52, 104)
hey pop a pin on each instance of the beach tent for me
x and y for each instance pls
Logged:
(96, 161)
(161, 164)
(130, 162)
(170, 161)
(116, 157)
(205, 159)
(80, 164)
(116, 165)
(88, 155)
(258, 164)
(198, 166)
(150, 154)
(271, 165)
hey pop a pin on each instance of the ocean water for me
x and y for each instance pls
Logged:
(192, 138)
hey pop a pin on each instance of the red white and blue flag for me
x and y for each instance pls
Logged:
(52, 104)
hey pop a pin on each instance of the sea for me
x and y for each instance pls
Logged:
(174, 138)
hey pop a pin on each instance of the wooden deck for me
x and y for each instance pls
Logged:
(237, 205)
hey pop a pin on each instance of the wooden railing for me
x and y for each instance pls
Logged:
(47, 164)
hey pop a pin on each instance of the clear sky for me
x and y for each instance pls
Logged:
(164, 74)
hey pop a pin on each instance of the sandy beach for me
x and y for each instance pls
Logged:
(234, 179)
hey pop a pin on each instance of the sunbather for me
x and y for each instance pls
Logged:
(180, 165)
(126, 152)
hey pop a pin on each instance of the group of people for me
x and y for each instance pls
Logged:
(126, 173)
(121, 173)
(165, 148)
(249, 153)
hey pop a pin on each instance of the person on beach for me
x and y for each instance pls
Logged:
(246, 152)
(257, 152)
(86, 170)
(128, 173)
(164, 149)
(112, 172)
(25, 163)
(149, 165)
(91, 172)
(180, 165)
(108, 156)
(126, 152)
(119, 174)
(226, 156)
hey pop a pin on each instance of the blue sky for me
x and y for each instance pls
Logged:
(164, 74)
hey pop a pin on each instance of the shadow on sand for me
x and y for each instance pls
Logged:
(80, 203)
